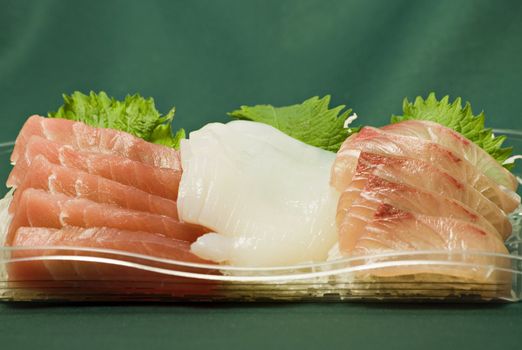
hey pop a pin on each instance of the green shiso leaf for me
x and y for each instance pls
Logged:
(312, 122)
(460, 119)
(135, 115)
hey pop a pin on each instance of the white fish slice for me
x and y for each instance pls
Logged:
(265, 195)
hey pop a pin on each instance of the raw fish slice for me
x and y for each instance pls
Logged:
(37, 208)
(394, 230)
(377, 141)
(454, 141)
(264, 194)
(87, 138)
(145, 243)
(367, 194)
(154, 180)
(75, 183)
(419, 173)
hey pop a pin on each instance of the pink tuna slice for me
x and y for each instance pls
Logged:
(37, 208)
(137, 242)
(154, 180)
(75, 183)
(87, 138)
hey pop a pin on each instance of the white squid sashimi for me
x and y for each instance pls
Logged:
(265, 195)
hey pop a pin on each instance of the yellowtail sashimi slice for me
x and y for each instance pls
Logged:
(367, 194)
(454, 141)
(393, 230)
(421, 175)
(380, 142)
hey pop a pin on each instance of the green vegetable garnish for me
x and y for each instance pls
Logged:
(462, 120)
(311, 122)
(136, 115)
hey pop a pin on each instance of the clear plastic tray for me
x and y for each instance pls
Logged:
(122, 276)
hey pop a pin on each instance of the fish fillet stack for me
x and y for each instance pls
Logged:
(81, 186)
(419, 186)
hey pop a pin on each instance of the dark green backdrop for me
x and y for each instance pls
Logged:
(207, 58)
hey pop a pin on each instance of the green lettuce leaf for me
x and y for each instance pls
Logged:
(135, 115)
(312, 122)
(460, 119)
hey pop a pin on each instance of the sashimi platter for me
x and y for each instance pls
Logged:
(105, 201)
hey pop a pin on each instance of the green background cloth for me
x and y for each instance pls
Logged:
(209, 57)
